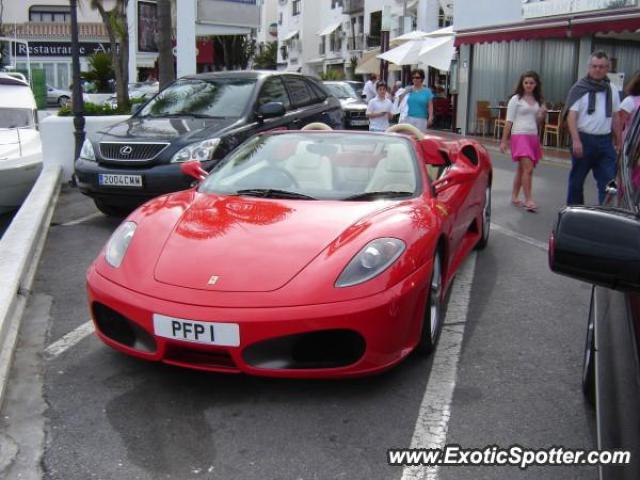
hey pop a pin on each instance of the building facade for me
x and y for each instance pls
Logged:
(551, 37)
(46, 25)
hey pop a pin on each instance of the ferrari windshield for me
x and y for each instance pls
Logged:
(319, 166)
(202, 98)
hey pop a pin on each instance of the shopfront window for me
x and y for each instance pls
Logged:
(62, 75)
(50, 72)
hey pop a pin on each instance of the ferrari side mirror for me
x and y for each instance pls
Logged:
(194, 169)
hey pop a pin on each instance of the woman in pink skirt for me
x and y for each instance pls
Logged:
(525, 112)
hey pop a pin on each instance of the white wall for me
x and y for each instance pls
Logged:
(479, 13)
(18, 10)
(58, 140)
(268, 15)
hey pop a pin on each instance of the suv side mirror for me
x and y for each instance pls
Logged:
(598, 245)
(271, 109)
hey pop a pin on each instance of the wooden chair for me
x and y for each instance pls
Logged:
(553, 128)
(483, 116)
(501, 120)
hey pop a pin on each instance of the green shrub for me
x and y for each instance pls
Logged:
(93, 109)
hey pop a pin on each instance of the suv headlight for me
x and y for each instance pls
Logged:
(87, 153)
(371, 261)
(119, 243)
(202, 151)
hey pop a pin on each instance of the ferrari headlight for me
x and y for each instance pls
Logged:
(371, 261)
(197, 151)
(118, 244)
(87, 153)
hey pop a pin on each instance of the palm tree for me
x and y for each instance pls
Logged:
(115, 21)
(165, 52)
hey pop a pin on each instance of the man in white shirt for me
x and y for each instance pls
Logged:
(369, 89)
(380, 109)
(593, 124)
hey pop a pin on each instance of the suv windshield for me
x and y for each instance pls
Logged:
(206, 98)
(341, 90)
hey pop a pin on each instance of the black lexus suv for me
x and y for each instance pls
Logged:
(202, 117)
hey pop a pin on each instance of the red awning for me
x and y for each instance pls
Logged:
(614, 23)
(508, 34)
(568, 27)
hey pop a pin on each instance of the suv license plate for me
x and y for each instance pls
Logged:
(209, 333)
(112, 180)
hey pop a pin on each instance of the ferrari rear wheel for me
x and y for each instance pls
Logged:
(432, 322)
(486, 220)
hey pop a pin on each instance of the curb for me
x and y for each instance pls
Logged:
(20, 251)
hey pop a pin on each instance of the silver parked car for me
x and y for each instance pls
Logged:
(57, 96)
(355, 109)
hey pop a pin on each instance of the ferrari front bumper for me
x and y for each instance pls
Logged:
(340, 339)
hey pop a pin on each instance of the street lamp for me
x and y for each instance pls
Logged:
(76, 94)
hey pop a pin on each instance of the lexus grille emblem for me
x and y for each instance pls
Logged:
(126, 150)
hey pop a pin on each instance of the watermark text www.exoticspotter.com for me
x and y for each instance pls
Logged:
(514, 455)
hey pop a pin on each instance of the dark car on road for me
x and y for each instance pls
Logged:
(200, 117)
(355, 109)
(601, 246)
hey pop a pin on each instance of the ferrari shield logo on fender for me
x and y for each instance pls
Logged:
(213, 280)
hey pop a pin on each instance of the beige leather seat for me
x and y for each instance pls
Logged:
(310, 170)
(395, 172)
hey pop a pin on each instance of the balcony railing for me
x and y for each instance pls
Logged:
(356, 43)
(352, 6)
(373, 41)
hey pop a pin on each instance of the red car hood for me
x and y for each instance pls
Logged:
(250, 244)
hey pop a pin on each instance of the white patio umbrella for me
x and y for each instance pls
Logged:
(415, 35)
(442, 32)
(405, 54)
(437, 52)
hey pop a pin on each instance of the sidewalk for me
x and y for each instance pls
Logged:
(549, 154)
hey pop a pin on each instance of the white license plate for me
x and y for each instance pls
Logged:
(359, 123)
(209, 333)
(120, 180)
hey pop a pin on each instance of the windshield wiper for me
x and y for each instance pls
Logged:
(374, 195)
(273, 193)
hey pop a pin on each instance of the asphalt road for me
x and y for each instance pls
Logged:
(100, 415)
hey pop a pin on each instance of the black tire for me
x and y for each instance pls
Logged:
(588, 363)
(112, 210)
(485, 224)
(63, 101)
(433, 312)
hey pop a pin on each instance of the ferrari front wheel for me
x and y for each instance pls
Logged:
(432, 321)
(485, 224)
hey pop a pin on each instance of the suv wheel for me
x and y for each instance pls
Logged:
(111, 210)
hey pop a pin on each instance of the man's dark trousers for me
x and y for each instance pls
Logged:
(598, 155)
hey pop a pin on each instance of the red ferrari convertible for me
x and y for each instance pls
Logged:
(302, 254)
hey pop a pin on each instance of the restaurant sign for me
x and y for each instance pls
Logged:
(60, 49)
(548, 8)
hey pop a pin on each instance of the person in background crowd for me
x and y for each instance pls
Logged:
(400, 102)
(419, 102)
(369, 90)
(379, 109)
(525, 112)
(591, 106)
(629, 105)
